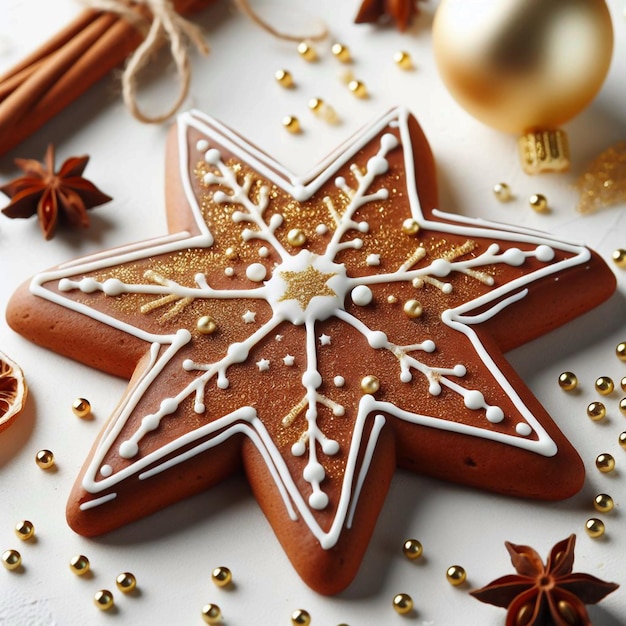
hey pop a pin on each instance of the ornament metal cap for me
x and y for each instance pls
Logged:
(544, 151)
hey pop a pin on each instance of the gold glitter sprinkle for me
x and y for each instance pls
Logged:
(306, 285)
(604, 182)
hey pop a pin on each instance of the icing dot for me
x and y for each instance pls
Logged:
(256, 272)
(298, 448)
(459, 370)
(221, 198)
(474, 399)
(373, 259)
(150, 422)
(406, 376)
(263, 251)
(389, 141)
(314, 473)
(321, 229)
(447, 288)
(128, 449)
(544, 253)
(202, 145)
(88, 285)
(65, 284)
(212, 156)
(377, 165)
(429, 346)
(363, 227)
(222, 383)
(330, 447)
(495, 414)
(340, 181)
(312, 378)
(377, 339)
(361, 295)
(434, 388)
(106, 470)
(523, 429)
(229, 271)
(168, 406)
(440, 267)
(199, 407)
(113, 287)
(237, 352)
(318, 500)
(338, 411)
(339, 381)
(513, 256)
(188, 365)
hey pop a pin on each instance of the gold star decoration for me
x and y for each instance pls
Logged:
(306, 285)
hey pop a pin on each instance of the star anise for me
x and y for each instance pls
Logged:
(549, 595)
(399, 11)
(53, 196)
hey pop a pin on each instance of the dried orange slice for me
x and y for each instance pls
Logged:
(13, 391)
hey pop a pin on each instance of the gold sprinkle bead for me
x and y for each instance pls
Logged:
(284, 78)
(502, 192)
(300, 617)
(605, 462)
(358, 88)
(211, 614)
(126, 582)
(402, 603)
(24, 530)
(538, 202)
(619, 257)
(11, 559)
(292, 124)
(603, 503)
(595, 527)
(323, 110)
(456, 575)
(296, 237)
(412, 549)
(604, 385)
(620, 350)
(370, 384)
(413, 309)
(392, 299)
(341, 52)
(221, 576)
(622, 383)
(316, 105)
(568, 381)
(596, 411)
(622, 440)
(206, 325)
(79, 564)
(44, 459)
(231, 253)
(403, 60)
(307, 52)
(81, 407)
(410, 226)
(103, 599)
(622, 406)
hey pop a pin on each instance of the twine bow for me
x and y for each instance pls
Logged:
(163, 23)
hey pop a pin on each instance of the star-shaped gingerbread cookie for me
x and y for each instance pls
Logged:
(316, 333)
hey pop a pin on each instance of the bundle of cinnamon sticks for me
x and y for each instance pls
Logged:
(54, 75)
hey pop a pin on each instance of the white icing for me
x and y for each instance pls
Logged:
(339, 381)
(249, 317)
(321, 229)
(263, 365)
(245, 420)
(361, 295)
(289, 360)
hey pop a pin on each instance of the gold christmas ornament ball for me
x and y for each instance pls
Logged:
(596, 411)
(11, 559)
(206, 325)
(456, 575)
(619, 257)
(370, 384)
(595, 527)
(605, 462)
(604, 385)
(103, 599)
(126, 582)
(221, 576)
(211, 614)
(538, 203)
(44, 459)
(300, 617)
(410, 226)
(81, 407)
(523, 64)
(79, 564)
(296, 237)
(412, 549)
(568, 381)
(24, 530)
(603, 503)
(620, 351)
(413, 309)
(502, 192)
(402, 603)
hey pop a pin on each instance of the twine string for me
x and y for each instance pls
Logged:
(164, 23)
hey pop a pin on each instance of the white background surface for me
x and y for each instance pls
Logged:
(173, 552)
